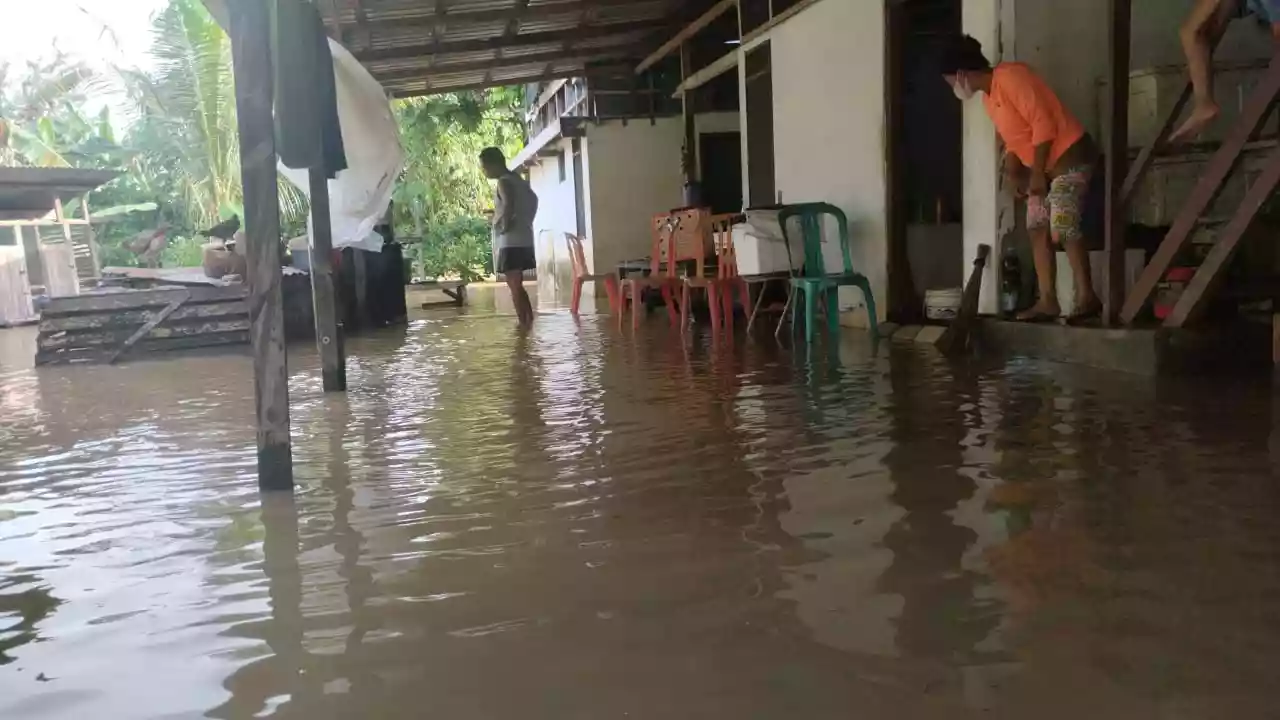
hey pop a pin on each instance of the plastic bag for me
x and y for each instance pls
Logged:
(359, 195)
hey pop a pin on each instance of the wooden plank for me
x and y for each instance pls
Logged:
(250, 33)
(686, 33)
(1117, 156)
(112, 337)
(333, 365)
(713, 70)
(132, 318)
(148, 327)
(1191, 303)
(97, 354)
(1210, 184)
(139, 299)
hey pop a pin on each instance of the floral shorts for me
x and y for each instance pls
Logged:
(1062, 210)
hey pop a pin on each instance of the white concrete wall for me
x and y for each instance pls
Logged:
(828, 106)
(633, 172)
(557, 215)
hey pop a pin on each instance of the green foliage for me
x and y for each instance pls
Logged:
(457, 248)
(443, 193)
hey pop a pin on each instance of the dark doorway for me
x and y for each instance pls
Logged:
(760, 126)
(925, 185)
(720, 158)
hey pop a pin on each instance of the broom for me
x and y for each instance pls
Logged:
(956, 338)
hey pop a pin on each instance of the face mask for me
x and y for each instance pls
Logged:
(961, 88)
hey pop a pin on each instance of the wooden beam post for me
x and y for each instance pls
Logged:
(333, 361)
(250, 30)
(1117, 158)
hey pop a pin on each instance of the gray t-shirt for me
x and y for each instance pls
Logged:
(514, 207)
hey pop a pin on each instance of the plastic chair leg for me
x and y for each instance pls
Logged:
(575, 300)
(726, 303)
(713, 302)
(669, 300)
(613, 292)
(685, 294)
(810, 312)
(873, 324)
(833, 312)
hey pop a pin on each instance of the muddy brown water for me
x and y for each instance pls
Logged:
(582, 524)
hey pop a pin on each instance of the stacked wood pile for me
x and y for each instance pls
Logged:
(106, 326)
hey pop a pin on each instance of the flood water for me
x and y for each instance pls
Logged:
(579, 523)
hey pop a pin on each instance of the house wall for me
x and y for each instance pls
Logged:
(1070, 50)
(633, 172)
(557, 215)
(828, 108)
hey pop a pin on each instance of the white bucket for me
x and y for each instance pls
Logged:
(942, 304)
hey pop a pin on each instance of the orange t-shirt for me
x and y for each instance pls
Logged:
(1027, 113)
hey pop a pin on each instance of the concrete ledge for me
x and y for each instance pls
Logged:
(1141, 351)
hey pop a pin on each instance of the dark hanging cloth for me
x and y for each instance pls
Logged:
(308, 133)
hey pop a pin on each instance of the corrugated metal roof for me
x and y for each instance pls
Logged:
(426, 46)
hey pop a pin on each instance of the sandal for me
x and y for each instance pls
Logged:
(1081, 317)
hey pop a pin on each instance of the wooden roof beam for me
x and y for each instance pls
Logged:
(546, 59)
(501, 43)
(545, 77)
(441, 13)
(688, 32)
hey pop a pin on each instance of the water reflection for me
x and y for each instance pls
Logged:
(576, 522)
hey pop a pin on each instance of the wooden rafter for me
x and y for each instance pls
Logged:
(685, 33)
(426, 88)
(547, 59)
(500, 43)
(459, 16)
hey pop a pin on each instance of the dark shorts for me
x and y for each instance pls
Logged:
(515, 259)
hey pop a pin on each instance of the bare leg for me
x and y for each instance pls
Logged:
(1042, 253)
(1207, 22)
(1086, 300)
(520, 298)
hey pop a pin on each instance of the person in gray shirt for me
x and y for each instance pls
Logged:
(514, 207)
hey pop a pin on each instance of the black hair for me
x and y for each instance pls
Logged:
(493, 156)
(962, 53)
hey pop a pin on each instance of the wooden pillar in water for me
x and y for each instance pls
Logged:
(250, 30)
(1117, 160)
(333, 361)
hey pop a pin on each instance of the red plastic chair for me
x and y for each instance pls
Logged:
(662, 274)
(581, 276)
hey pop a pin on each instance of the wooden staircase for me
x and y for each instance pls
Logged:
(1224, 161)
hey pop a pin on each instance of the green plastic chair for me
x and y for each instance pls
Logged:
(806, 288)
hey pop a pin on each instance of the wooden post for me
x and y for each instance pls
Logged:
(1117, 151)
(250, 30)
(333, 361)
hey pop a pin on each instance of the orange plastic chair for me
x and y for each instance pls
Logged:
(662, 274)
(692, 241)
(581, 276)
(727, 276)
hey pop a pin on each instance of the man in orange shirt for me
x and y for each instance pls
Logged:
(1049, 148)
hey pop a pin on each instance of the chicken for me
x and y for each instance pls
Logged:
(148, 244)
(224, 230)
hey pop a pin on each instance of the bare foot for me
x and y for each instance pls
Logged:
(1200, 118)
(1040, 312)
